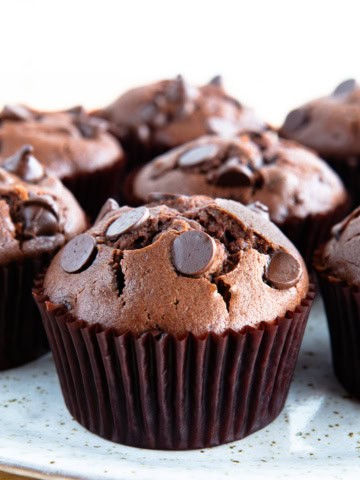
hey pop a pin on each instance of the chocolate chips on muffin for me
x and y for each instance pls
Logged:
(169, 307)
(71, 145)
(154, 118)
(331, 125)
(37, 216)
(172, 242)
(290, 180)
(341, 255)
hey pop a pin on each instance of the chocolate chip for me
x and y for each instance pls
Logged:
(223, 127)
(160, 101)
(260, 208)
(25, 165)
(234, 174)
(78, 253)
(148, 113)
(193, 252)
(45, 201)
(127, 221)
(90, 127)
(339, 228)
(109, 206)
(345, 87)
(296, 119)
(15, 112)
(283, 271)
(160, 119)
(265, 140)
(77, 110)
(198, 155)
(217, 81)
(39, 220)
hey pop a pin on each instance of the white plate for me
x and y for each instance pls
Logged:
(317, 434)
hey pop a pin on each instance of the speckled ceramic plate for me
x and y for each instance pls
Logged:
(317, 434)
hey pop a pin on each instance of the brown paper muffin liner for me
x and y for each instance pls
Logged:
(92, 189)
(349, 171)
(342, 306)
(310, 232)
(22, 335)
(161, 391)
(139, 153)
(127, 193)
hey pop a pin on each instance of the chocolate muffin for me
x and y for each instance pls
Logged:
(37, 216)
(71, 145)
(331, 125)
(152, 119)
(176, 325)
(338, 268)
(303, 195)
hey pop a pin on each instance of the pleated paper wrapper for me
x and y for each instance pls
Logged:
(162, 391)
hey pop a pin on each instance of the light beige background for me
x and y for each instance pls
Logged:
(272, 53)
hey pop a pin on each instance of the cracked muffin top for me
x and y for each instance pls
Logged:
(171, 112)
(179, 264)
(37, 213)
(331, 124)
(289, 179)
(341, 255)
(66, 142)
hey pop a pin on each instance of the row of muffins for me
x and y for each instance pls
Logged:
(127, 291)
(76, 148)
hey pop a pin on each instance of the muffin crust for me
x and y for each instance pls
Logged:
(132, 278)
(289, 179)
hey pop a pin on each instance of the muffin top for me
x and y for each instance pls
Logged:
(66, 143)
(171, 112)
(37, 213)
(289, 179)
(330, 125)
(341, 255)
(180, 264)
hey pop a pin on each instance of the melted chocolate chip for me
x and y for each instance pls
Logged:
(339, 228)
(260, 208)
(234, 174)
(223, 127)
(160, 119)
(193, 252)
(148, 112)
(283, 271)
(90, 127)
(45, 201)
(296, 119)
(217, 81)
(198, 155)
(109, 206)
(15, 112)
(78, 253)
(127, 221)
(345, 87)
(39, 219)
(25, 165)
